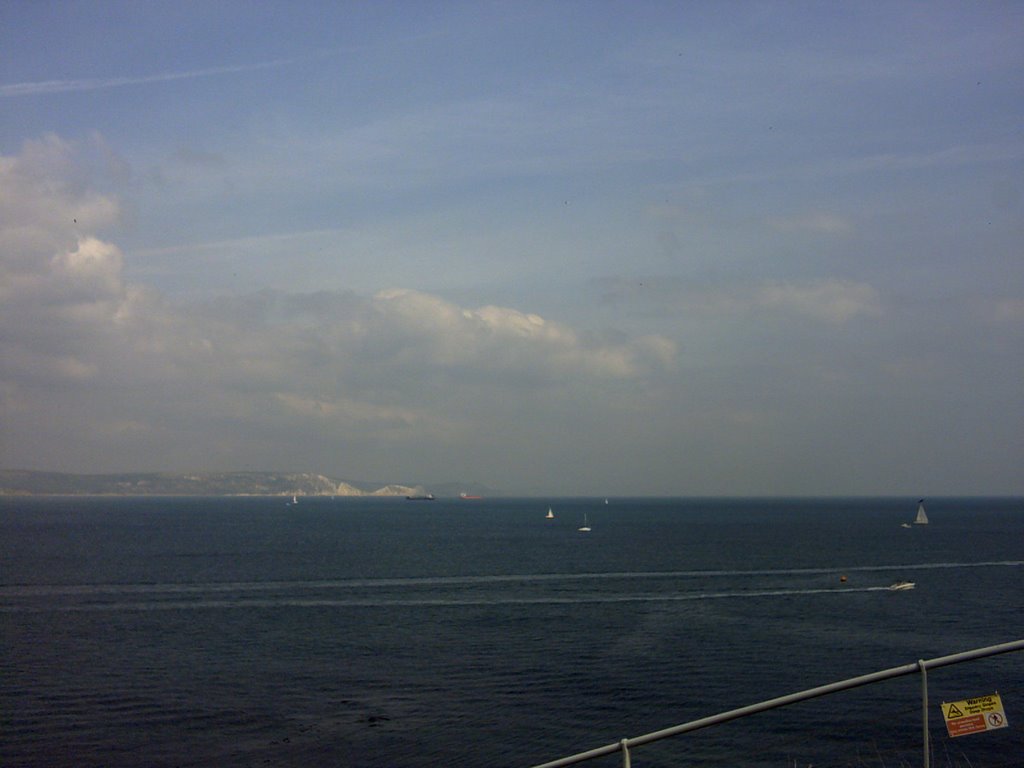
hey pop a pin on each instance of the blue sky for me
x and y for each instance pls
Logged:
(668, 248)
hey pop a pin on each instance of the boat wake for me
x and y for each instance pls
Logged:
(346, 602)
(533, 589)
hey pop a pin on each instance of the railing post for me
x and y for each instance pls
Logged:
(625, 753)
(924, 711)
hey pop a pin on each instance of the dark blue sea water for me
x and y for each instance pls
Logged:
(377, 632)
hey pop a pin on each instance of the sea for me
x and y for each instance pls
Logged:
(248, 631)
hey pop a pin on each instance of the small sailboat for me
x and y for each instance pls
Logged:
(550, 515)
(922, 518)
(585, 528)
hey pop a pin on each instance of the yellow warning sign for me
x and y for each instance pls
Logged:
(982, 713)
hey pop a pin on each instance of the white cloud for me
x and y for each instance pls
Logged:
(401, 365)
(835, 301)
(500, 338)
(45, 202)
(94, 264)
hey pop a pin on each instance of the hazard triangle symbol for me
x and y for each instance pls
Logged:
(953, 712)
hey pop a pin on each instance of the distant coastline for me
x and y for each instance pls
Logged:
(17, 482)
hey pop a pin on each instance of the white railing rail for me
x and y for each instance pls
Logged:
(919, 667)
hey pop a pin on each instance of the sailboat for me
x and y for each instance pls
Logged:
(550, 515)
(922, 518)
(585, 528)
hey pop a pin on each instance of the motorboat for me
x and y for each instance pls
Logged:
(901, 586)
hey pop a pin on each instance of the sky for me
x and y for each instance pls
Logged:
(598, 248)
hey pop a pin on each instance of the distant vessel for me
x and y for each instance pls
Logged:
(901, 586)
(550, 515)
(585, 528)
(420, 497)
(922, 518)
(294, 501)
(467, 496)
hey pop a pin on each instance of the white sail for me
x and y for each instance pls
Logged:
(922, 518)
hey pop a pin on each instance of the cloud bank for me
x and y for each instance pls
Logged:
(90, 359)
(727, 384)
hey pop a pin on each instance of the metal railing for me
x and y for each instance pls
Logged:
(919, 667)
